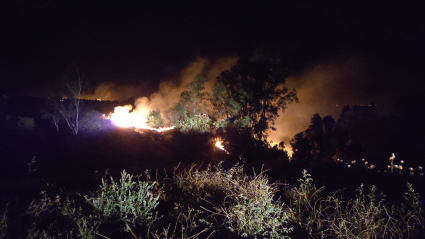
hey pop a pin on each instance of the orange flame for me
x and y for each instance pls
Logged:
(289, 150)
(122, 117)
(219, 144)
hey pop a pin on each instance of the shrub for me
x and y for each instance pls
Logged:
(57, 218)
(127, 201)
(252, 211)
(154, 119)
(247, 206)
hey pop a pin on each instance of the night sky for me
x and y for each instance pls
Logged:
(140, 45)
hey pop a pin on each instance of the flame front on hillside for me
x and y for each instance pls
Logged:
(124, 117)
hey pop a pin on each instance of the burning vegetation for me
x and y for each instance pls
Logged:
(229, 119)
(245, 100)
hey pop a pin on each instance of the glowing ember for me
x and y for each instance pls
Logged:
(122, 117)
(219, 144)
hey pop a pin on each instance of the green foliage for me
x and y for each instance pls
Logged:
(187, 121)
(155, 120)
(200, 202)
(223, 102)
(189, 114)
(127, 201)
(194, 97)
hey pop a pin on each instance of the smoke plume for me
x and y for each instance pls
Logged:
(170, 89)
(323, 89)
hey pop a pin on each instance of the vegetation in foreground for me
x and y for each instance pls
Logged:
(213, 202)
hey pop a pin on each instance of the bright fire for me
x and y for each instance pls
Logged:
(219, 144)
(122, 117)
(289, 150)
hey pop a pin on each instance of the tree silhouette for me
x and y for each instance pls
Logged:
(251, 95)
(359, 133)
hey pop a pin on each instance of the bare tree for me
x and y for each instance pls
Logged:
(69, 109)
(53, 115)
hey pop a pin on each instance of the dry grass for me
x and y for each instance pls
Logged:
(364, 216)
(247, 207)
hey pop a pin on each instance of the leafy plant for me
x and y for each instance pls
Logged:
(126, 200)
(155, 120)
(189, 114)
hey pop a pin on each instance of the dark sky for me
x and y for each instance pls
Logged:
(40, 42)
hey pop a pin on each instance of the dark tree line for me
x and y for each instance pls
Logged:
(359, 133)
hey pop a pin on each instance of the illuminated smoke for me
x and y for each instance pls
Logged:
(168, 93)
(324, 89)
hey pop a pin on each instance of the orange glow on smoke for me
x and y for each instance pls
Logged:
(122, 117)
(289, 150)
(286, 147)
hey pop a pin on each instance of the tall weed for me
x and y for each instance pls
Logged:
(364, 216)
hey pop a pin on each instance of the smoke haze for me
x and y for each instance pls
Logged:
(325, 89)
(169, 90)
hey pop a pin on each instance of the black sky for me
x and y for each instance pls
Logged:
(40, 42)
